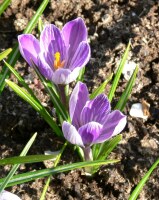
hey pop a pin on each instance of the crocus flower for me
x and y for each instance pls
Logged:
(92, 120)
(59, 55)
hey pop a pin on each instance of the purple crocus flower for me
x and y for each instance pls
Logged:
(92, 120)
(59, 55)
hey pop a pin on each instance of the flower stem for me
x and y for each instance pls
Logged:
(88, 157)
(63, 92)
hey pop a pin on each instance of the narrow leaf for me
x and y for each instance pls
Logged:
(141, 184)
(101, 88)
(125, 95)
(15, 167)
(5, 53)
(4, 5)
(26, 159)
(81, 75)
(118, 73)
(55, 99)
(36, 105)
(13, 57)
(29, 176)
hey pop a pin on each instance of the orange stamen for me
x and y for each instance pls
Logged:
(57, 62)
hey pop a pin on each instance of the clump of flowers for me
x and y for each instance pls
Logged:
(86, 121)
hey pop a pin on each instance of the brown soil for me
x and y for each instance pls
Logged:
(110, 25)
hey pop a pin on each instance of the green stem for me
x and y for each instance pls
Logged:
(49, 178)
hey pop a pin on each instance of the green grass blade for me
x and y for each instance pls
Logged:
(13, 57)
(21, 80)
(101, 88)
(45, 188)
(107, 147)
(4, 5)
(125, 95)
(26, 159)
(5, 53)
(15, 167)
(81, 75)
(40, 25)
(36, 105)
(29, 176)
(141, 184)
(118, 73)
(55, 99)
(101, 151)
(55, 164)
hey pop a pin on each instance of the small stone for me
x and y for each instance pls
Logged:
(137, 111)
(129, 69)
(5, 195)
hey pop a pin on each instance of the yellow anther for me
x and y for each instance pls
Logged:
(57, 62)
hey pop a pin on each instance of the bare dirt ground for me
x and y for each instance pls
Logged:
(110, 26)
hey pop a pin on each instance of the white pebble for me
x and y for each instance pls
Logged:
(137, 111)
(5, 195)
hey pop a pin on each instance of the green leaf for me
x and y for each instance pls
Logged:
(81, 75)
(45, 188)
(55, 99)
(7, 179)
(26, 159)
(107, 147)
(13, 57)
(29, 176)
(4, 5)
(36, 105)
(5, 53)
(21, 80)
(101, 88)
(102, 151)
(141, 184)
(118, 73)
(125, 95)
(40, 25)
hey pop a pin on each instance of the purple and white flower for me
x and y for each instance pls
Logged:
(59, 55)
(92, 120)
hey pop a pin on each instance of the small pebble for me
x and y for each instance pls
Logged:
(137, 111)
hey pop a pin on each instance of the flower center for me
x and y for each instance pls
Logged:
(57, 62)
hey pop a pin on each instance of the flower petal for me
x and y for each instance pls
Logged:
(81, 56)
(90, 132)
(65, 76)
(74, 32)
(71, 134)
(96, 110)
(114, 124)
(77, 101)
(43, 66)
(29, 47)
(51, 41)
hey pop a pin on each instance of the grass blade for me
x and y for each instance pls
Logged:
(5, 53)
(81, 75)
(45, 188)
(118, 73)
(55, 99)
(29, 176)
(103, 150)
(26, 159)
(15, 53)
(125, 95)
(15, 167)
(36, 105)
(101, 88)
(141, 184)
(4, 5)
